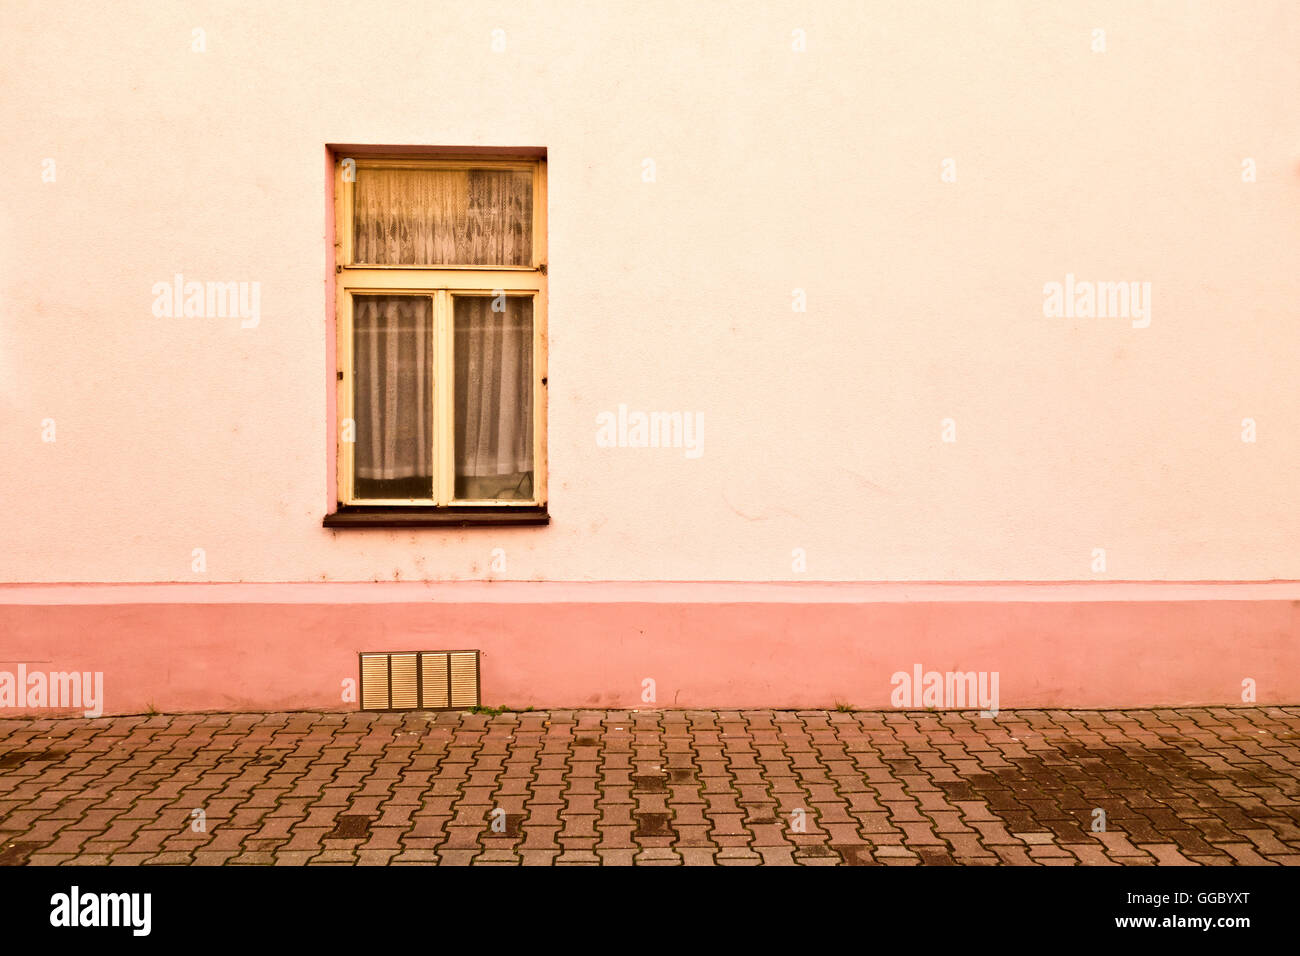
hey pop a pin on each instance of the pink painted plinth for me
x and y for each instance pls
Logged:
(286, 647)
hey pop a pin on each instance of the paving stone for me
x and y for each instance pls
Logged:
(1196, 786)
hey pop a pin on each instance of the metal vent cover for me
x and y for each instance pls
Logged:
(419, 680)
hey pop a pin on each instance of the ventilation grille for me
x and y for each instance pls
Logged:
(419, 680)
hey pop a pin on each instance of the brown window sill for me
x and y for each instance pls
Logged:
(367, 517)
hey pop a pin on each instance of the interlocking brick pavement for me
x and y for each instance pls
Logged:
(1184, 787)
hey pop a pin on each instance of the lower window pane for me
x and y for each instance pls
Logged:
(393, 375)
(494, 397)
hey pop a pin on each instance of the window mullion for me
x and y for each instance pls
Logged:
(435, 447)
(444, 438)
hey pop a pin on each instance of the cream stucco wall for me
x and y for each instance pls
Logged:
(818, 170)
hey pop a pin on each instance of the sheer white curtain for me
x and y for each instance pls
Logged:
(443, 216)
(494, 397)
(393, 358)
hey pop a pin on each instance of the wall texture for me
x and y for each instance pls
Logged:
(917, 174)
(775, 169)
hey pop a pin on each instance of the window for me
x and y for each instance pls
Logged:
(441, 301)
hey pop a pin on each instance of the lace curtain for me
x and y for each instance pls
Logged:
(494, 397)
(443, 217)
(393, 357)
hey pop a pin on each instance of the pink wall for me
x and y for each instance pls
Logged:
(777, 169)
(260, 647)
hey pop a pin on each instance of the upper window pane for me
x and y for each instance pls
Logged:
(433, 217)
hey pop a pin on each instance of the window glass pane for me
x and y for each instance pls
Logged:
(494, 397)
(443, 217)
(393, 374)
